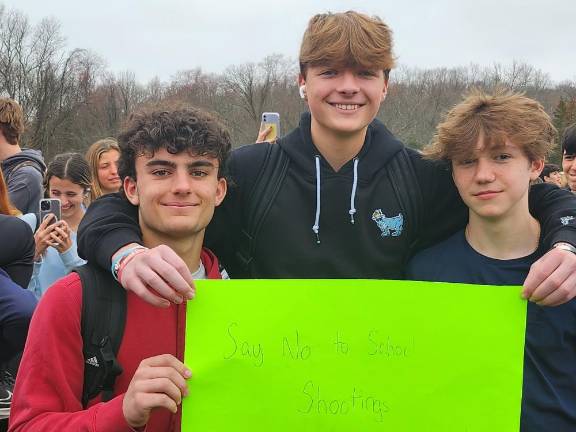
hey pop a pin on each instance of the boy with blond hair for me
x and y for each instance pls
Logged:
(495, 145)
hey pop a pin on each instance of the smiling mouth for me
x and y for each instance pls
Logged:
(346, 107)
(179, 205)
(486, 193)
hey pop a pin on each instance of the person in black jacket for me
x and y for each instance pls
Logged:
(353, 202)
(16, 303)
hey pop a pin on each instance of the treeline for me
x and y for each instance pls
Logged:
(70, 98)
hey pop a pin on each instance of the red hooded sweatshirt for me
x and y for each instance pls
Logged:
(48, 391)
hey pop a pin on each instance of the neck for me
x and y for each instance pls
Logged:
(74, 220)
(187, 248)
(337, 148)
(7, 150)
(505, 239)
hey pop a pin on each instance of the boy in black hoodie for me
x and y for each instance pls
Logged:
(353, 201)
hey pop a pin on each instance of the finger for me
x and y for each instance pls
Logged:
(150, 401)
(176, 380)
(55, 240)
(63, 234)
(159, 385)
(564, 293)
(152, 280)
(263, 134)
(64, 225)
(552, 283)
(167, 360)
(141, 290)
(46, 221)
(181, 279)
(540, 270)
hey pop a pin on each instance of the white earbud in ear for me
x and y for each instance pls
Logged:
(302, 91)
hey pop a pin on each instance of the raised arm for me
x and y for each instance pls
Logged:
(110, 223)
(110, 229)
(552, 279)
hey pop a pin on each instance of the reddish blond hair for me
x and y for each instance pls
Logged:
(6, 207)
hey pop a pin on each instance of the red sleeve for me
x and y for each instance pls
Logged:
(48, 391)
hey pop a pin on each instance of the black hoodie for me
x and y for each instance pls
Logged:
(376, 245)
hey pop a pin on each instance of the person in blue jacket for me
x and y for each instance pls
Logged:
(67, 179)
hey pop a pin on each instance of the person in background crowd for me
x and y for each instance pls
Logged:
(569, 157)
(23, 169)
(16, 303)
(102, 156)
(495, 145)
(551, 174)
(67, 179)
(354, 202)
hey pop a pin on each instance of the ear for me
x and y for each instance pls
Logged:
(536, 168)
(221, 191)
(131, 190)
(384, 90)
(301, 80)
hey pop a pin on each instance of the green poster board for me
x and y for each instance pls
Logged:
(353, 355)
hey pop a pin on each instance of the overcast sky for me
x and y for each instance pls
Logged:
(161, 37)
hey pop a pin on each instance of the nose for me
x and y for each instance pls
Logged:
(484, 171)
(181, 182)
(114, 168)
(348, 83)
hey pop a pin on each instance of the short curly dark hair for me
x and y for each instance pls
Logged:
(188, 129)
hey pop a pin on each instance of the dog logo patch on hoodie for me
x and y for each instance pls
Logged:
(389, 226)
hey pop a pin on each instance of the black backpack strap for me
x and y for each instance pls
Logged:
(103, 321)
(405, 183)
(264, 191)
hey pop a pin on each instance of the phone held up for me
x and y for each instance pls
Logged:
(271, 119)
(50, 206)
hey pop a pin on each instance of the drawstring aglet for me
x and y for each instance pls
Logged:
(316, 228)
(351, 212)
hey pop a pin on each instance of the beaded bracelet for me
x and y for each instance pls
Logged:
(116, 262)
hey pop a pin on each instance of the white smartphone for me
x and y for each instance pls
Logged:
(271, 119)
(50, 206)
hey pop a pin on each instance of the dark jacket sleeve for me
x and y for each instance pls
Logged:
(445, 213)
(17, 255)
(555, 209)
(224, 233)
(109, 223)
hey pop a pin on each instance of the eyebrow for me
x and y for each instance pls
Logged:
(169, 164)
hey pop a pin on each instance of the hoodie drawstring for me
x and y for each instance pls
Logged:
(353, 194)
(316, 226)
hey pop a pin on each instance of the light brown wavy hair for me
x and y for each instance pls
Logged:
(497, 117)
(347, 39)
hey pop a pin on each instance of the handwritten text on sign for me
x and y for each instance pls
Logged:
(334, 355)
